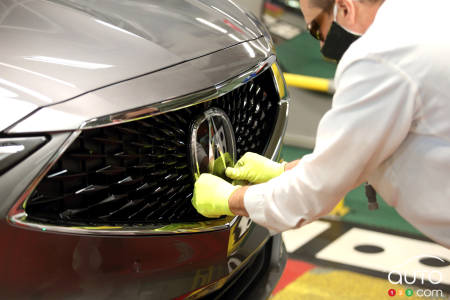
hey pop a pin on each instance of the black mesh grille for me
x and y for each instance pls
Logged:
(139, 172)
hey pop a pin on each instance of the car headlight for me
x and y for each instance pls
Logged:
(15, 149)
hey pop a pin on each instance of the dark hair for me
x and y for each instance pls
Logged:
(326, 5)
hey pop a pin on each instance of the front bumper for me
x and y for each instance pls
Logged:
(212, 264)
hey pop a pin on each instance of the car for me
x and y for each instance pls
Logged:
(110, 109)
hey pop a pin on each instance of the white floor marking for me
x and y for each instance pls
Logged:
(294, 239)
(400, 254)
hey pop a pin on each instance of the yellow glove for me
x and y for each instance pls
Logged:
(255, 168)
(211, 194)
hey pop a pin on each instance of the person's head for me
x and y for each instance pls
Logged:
(354, 15)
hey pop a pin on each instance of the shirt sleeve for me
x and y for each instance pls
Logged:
(371, 115)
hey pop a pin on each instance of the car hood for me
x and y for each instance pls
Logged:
(57, 50)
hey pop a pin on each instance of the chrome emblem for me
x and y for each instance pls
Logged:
(213, 146)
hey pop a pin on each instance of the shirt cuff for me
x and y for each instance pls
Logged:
(255, 202)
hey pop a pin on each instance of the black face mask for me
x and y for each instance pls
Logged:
(337, 42)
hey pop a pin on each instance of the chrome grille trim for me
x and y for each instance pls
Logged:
(181, 102)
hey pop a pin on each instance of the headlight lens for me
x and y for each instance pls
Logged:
(13, 150)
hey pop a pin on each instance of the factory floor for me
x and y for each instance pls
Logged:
(333, 259)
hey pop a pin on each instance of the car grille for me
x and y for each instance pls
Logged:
(139, 172)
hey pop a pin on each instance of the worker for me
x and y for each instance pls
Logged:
(389, 123)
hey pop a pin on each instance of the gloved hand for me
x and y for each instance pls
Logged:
(211, 194)
(255, 168)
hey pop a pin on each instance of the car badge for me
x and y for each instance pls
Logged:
(212, 144)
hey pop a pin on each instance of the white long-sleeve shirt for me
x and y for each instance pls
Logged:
(389, 124)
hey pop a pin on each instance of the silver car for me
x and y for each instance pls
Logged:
(109, 110)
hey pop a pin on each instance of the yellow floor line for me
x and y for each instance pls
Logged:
(326, 284)
(339, 210)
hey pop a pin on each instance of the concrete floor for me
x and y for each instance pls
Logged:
(255, 6)
(305, 111)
